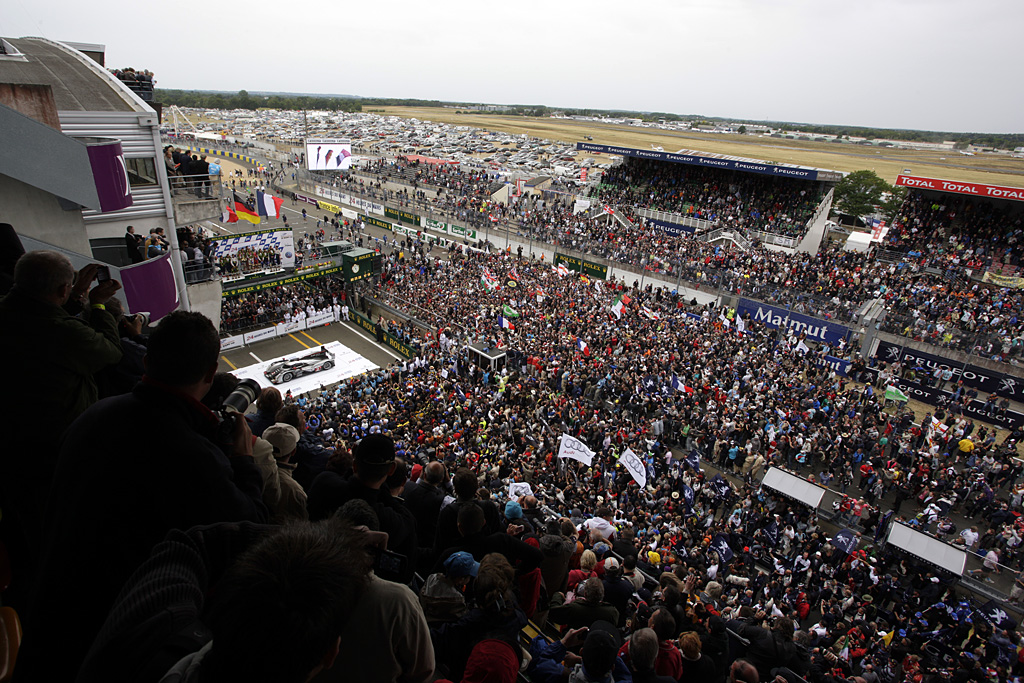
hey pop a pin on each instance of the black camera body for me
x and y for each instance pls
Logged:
(237, 402)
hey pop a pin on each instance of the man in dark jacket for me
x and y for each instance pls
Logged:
(132, 468)
(475, 541)
(772, 649)
(424, 498)
(374, 462)
(132, 243)
(52, 357)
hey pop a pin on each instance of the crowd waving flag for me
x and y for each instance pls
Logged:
(268, 205)
(620, 305)
(573, 448)
(632, 462)
(845, 540)
(771, 532)
(582, 346)
(687, 495)
(505, 324)
(678, 385)
(720, 545)
(693, 460)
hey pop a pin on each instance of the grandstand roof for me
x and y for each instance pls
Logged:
(723, 161)
(961, 187)
(78, 83)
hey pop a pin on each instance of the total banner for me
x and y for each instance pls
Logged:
(775, 317)
(975, 409)
(960, 187)
(984, 380)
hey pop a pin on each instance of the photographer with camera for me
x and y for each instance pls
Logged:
(132, 468)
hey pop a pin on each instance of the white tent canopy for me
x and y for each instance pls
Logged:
(794, 487)
(928, 548)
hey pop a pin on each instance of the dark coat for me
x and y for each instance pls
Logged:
(131, 468)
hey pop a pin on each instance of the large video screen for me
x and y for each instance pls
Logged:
(328, 154)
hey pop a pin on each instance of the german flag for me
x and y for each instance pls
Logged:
(244, 212)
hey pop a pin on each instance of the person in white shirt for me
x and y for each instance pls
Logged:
(970, 536)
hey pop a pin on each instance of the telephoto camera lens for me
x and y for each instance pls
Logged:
(244, 394)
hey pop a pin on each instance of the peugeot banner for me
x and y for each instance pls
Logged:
(986, 381)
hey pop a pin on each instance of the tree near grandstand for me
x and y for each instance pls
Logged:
(892, 200)
(742, 130)
(860, 192)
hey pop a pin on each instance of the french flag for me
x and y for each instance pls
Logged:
(582, 346)
(503, 322)
(268, 205)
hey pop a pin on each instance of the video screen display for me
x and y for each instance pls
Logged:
(328, 154)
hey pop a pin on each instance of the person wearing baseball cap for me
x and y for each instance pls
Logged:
(374, 462)
(443, 596)
(273, 452)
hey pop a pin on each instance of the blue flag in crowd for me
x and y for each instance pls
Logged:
(693, 460)
(649, 385)
(882, 523)
(771, 532)
(720, 485)
(721, 545)
(994, 614)
(687, 495)
(845, 540)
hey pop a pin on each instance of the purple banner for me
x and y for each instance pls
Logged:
(304, 198)
(109, 172)
(149, 286)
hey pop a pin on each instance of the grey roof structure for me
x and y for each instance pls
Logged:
(78, 83)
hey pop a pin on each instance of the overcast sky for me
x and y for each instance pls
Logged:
(923, 64)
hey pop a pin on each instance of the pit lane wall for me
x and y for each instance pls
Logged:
(239, 340)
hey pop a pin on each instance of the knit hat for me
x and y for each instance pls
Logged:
(600, 649)
(513, 510)
(492, 661)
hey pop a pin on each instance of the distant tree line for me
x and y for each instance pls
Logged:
(245, 100)
(994, 140)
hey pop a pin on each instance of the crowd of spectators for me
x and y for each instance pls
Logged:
(427, 451)
(249, 260)
(281, 303)
(945, 309)
(742, 200)
(961, 231)
(140, 82)
(190, 173)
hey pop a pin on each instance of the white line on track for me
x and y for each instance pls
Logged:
(364, 333)
(258, 359)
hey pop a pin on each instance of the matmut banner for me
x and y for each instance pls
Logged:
(960, 187)
(775, 317)
(748, 165)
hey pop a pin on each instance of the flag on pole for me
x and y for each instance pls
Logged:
(635, 466)
(678, 385)
(573, 448)
(582, 346)
(892, 393)
(845, 540)
(687, 495)
(801, 347)
(228, 215)
(509, 311)
(771, 532)
(620, 305)
(562, 269)
(720, 485)
(268, 205)
(503, 322)
(693, 460)
(720, 545)
(244, 212)
(651, 315)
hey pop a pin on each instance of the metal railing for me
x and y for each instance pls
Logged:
(196, 187)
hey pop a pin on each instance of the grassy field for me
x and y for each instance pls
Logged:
(996, 169)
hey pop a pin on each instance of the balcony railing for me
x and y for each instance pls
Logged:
(196, 198)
